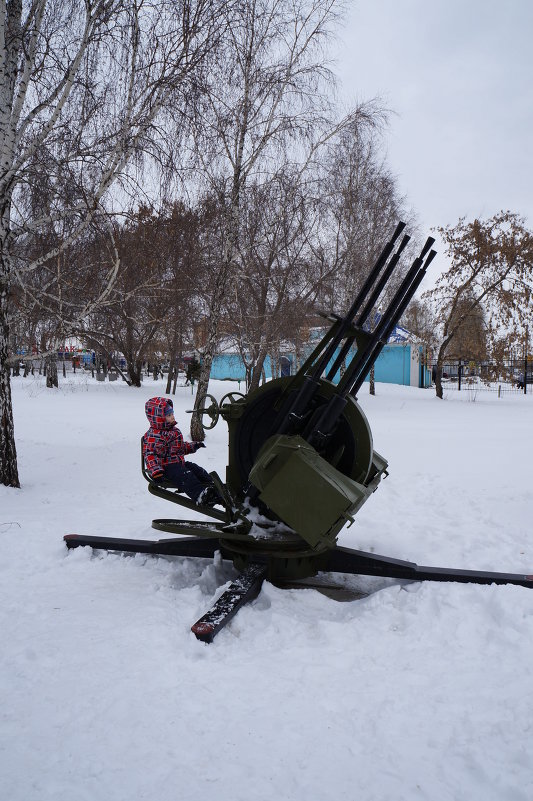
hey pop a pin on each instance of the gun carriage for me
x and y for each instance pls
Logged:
(301, 464)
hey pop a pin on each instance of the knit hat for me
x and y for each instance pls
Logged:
(168, 410)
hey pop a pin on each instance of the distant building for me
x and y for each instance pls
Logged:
(400, 362)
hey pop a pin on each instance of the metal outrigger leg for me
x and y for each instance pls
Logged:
(241, 591)
(247, 586)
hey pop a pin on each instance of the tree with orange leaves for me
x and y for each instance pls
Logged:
(491, 271)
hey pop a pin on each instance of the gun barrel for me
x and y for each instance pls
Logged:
(323, 424)
(376, 292)
(315, 370)
(348, 318)
(371, 302)
(363, 361)
(363, 372)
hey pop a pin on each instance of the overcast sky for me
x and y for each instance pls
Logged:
(459, 77)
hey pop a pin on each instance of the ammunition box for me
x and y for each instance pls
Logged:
(306, 492)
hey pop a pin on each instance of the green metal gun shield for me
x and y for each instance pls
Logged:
(307, 492)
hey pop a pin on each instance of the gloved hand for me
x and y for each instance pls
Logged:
(157, 475)
(198, 445)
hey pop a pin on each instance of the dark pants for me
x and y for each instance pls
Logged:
(189, 478)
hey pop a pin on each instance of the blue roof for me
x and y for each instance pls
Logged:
(399, 334)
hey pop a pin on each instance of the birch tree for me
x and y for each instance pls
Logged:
(362, 205)
(279, 269)
(267, 94)
(83, 86)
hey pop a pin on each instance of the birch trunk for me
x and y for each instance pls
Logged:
(258, 370)
(51, 371)
(8, 452)
(221, 280)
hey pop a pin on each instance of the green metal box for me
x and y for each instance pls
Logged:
(307, 492)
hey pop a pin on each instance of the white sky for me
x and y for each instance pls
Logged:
(459, 77)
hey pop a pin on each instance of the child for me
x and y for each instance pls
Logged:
(164, 449)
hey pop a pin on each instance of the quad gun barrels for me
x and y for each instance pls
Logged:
(298, 415)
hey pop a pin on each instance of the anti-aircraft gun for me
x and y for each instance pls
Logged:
(301, 464)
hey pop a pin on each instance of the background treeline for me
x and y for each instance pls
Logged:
(181, 162)
(304, 242)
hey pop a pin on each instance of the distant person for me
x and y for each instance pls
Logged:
(193, 371)
(164, 450)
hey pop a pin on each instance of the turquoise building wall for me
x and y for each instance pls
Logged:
(396, 364)
(393, 365)
(228, 366)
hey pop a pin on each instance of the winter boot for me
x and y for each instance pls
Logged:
(209, 497)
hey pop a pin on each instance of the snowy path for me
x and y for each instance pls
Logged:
(417, 692)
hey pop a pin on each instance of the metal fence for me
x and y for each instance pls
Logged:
(508, 377)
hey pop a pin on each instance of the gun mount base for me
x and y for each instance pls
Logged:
(281, 566)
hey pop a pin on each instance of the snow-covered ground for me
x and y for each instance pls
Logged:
(420, 691)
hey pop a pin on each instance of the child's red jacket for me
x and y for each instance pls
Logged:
(163, 443)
